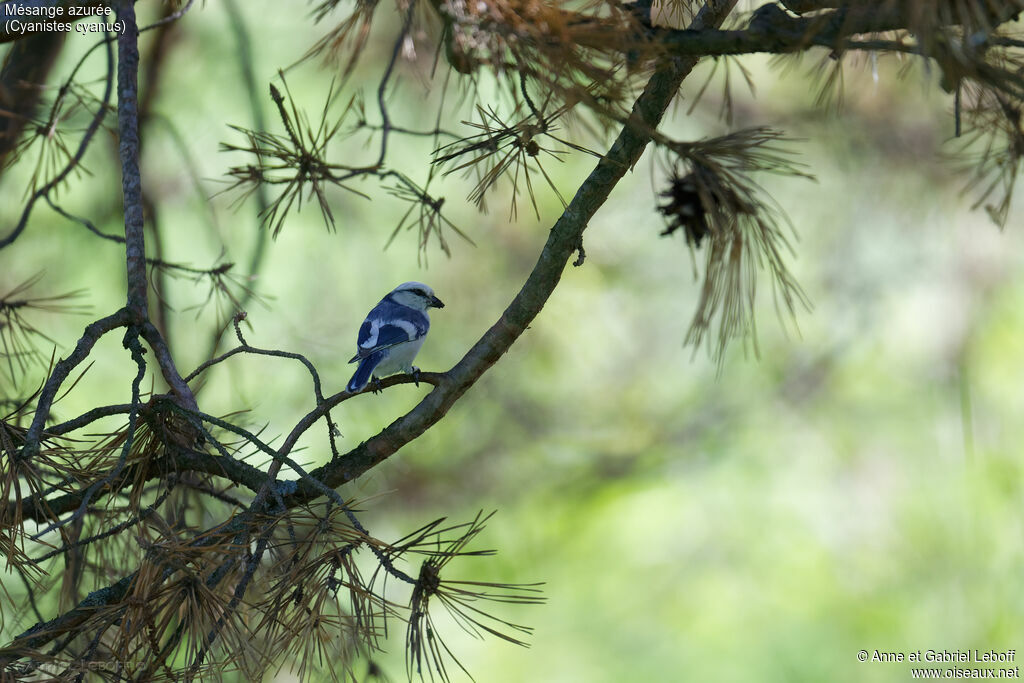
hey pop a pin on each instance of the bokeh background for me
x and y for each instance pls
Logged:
(856, 484)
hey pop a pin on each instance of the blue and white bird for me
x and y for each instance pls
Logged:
(393, 333)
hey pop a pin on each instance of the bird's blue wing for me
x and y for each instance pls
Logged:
(387, 325)
(384, 335)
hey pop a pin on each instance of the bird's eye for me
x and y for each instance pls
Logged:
(420, 292)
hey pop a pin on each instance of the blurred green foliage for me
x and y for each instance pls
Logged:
(857, 486)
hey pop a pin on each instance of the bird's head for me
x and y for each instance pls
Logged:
(415, 295)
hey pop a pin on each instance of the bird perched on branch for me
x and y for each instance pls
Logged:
(393, 333)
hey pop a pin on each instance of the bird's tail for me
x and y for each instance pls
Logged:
(364, 372)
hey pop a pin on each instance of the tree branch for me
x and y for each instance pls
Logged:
(772, 30)
(131, 184)
(128, 150)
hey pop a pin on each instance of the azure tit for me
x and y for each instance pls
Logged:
(393, 333)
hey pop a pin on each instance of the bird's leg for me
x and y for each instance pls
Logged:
(415, 375)
(375, 385)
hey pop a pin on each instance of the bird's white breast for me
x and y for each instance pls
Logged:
(399, 358)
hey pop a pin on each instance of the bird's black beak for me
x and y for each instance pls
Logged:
(436, 303)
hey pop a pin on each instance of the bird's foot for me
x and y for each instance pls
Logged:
(375, 386)
(415, 375)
